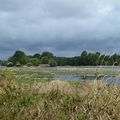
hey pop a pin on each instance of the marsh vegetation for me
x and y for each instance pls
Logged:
(32, 94)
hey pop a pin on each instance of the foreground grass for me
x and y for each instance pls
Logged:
(58, 100)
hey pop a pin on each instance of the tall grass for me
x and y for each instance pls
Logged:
(58, 100)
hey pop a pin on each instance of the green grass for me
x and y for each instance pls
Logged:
(80, 71)
(23, 96)
(25, 76)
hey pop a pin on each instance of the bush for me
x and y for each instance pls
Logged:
(35, 61)
(45, 60)
(29, 64)
(20, 57)
(18, 64)
(9, 64)
(52, 63)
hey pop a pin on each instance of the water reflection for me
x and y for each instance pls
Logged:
(78, 77)
(111, 80)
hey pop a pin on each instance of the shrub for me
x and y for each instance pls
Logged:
(20, 57)
(9, 64)
(29, 64)
(18, 64)
(35, 61)
(45, 60)
(52, 63)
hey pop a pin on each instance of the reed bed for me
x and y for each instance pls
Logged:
(58, 100)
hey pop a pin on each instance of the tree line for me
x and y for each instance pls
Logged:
(19, 58)
(89, 59)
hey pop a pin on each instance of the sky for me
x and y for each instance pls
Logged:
(64, 27)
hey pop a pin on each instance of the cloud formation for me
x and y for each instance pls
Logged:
(65, 27)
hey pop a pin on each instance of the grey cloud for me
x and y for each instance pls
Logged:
(65, 27)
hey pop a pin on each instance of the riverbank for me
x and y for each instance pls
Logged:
(32, 94)
(59, 100)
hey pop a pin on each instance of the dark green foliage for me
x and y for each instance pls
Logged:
(29, 64)
(52, 63)
(85, 59)
(89, 59)
(18, 64)
(4, 63)
(9, 64)
(46, 57)
(45, 60)
(1, 62)
(20, 57)
(37, 55)
(35, 61)
(47, 54)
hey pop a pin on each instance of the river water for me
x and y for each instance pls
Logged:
(106, 79)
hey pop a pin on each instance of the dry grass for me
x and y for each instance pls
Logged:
(59, 100)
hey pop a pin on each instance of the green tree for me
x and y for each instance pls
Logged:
(9, 64)
(35, 61)
(18, 64)
(45, 60)
(37, 55)
(46, 57)
(83, 58)
(29, 64)
(52, 63)
(20, 57)
(47, 54)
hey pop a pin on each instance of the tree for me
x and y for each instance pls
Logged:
(76, 61)
(47, 54)
(37, 55)
(9, 64)
(83, 58)
(1, 62)
(20, 57)
(45, 60)
(46, 57)
(52, 63)
(29, 64)
(35, 61)
(18, 64)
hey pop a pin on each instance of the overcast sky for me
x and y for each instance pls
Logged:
(64, 27)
